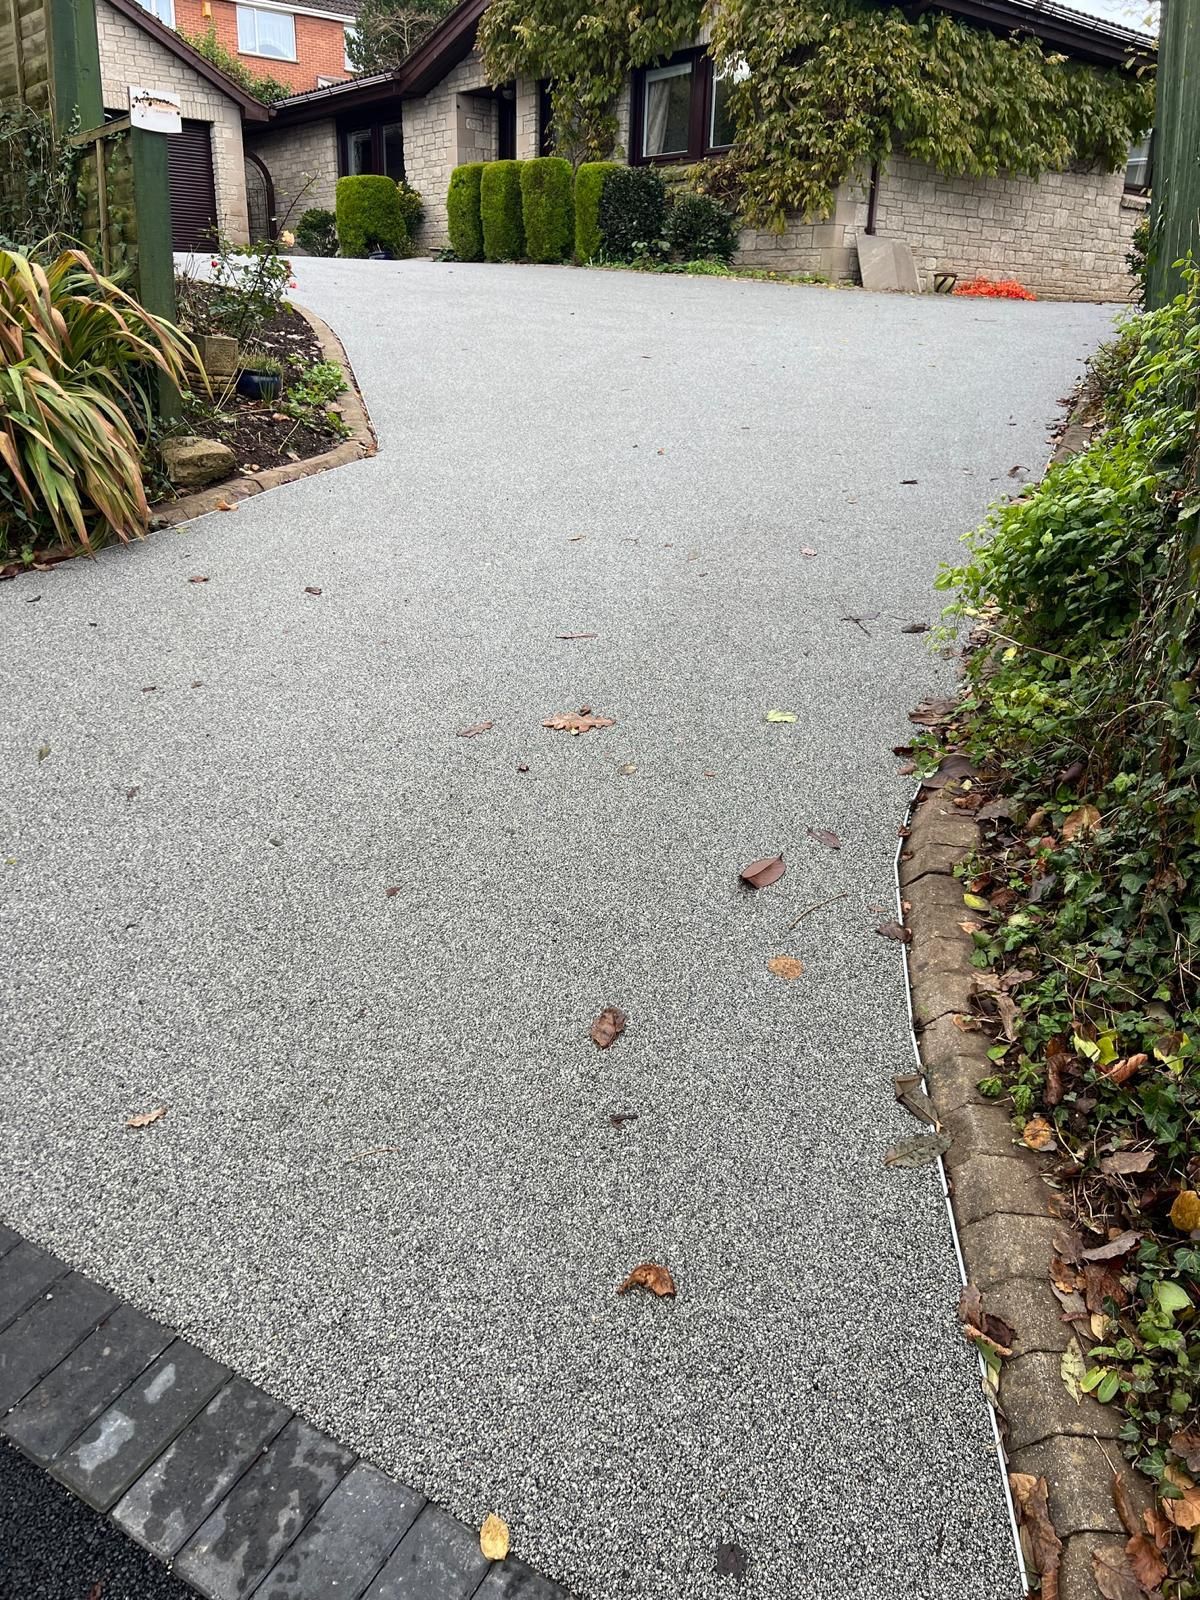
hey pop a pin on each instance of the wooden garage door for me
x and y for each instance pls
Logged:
(193, 192)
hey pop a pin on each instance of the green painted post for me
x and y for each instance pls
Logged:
(1176, 218)
(75, 61)
(155, 265)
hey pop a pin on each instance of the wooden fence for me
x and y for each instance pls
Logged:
(1176, 225)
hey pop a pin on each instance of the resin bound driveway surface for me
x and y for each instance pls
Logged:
(261, 880)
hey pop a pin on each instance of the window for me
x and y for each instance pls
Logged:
(164, 10)
(350, 35)
(667, 110)
(377, 148)
(359, 152)
(1137, 170)
(266, 33)
(681, 109)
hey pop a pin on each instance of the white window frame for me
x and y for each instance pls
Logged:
(248, 32)
(1139, 165)
(164, 10)
(349, 32)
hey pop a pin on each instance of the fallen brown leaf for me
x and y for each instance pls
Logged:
(620, 1118)
(1121, 1071)
(762, 873)
(915, 627)
(1037, 1134)
(1114, 1575)
(807, 550)
(578, 722)
(144, 1119)
(476, 728)
(908, 1091)
(977, 1322)
(1042, 1545)
(931, 712)
(1120, 1246)
(786, 967)
(920, 1151)
(576, 636)
(493, 1537)
(1124, 1505)
(893, 930)
(649, 1276)
(1101, 1283)
(575, 538)
(1126, 1161)
(392, 891)
(311, 588)
(1158, 1527)
(522, 766)
(226, 505)
(1147, 1566)
(1083, 820)
(198, 579)
(1186, 1445)
(825, 836)
(608, 1027)
(1184, 1512)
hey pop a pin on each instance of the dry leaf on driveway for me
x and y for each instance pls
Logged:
(780, 716)
(608, 1027)
(912, 1097)
(578, 722)
(311, 588)
(893, 930)
(576, 636)
(199, 578)
(43, 751)
(145, 1118)
(649, 1276)
(762, 873)
(493, 1537)
(919, 1151)
(978, 1323)
(786, 967)
(1072, 1368)
(1114, 1575)
(1123, 1505)
(474, 729)
(825, 836)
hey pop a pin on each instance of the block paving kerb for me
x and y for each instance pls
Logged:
(206, 1471)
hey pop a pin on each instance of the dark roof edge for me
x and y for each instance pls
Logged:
(252, 110)
(1091, 38)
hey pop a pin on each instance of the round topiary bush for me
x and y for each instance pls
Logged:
(369, 216)
(548, 208)
(632, 211)
(589, 185)
(316, 232)
(463, 220)
(699, 228)
(500, 211)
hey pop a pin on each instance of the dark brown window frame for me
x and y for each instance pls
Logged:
(375, 126)
(699, 111)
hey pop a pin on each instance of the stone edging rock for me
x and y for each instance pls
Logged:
(1004, 1210)
(359, 444)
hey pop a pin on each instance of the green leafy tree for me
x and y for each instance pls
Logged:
(262, 86)
(386, 32)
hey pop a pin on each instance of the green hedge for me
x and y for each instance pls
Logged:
(369, 216)
(547, 208)
(589, 185)
(500, 209)
(462, 212)
(700, 228)
(633, 211)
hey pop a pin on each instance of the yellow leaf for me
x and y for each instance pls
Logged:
(493, 1537)
(785, 967)
(145, 1118)
(976, 902)
(1185, 1213)
(1072, 1367)
(781, 716)
(1038, 1134)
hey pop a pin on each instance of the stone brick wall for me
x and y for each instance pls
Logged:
(454, 123)
(320, 43)
(128, 55)
(1064, 235)
(302, 161)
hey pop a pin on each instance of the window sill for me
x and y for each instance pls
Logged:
(1132, 200)
(254, 55)
(686, 159)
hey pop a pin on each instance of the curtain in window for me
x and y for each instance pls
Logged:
(668, 108)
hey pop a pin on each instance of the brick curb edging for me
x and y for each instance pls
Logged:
(360, 444)
(235, 1492)
(1004, 1210)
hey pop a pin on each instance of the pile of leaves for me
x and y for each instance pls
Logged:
(819, 87)
(1083, 708)
(995, 289)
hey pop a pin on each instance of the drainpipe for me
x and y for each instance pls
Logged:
(872, 197)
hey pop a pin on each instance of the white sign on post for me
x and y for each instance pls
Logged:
(156, 110)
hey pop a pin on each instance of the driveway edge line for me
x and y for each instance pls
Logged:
(360, 444)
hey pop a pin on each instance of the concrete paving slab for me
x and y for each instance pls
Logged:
(438, 1559)
(26, 1274)
(647, 459)
(45, 1334)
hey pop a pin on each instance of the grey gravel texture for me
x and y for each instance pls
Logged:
(196, 915)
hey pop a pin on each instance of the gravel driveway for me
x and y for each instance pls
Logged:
(261, 879)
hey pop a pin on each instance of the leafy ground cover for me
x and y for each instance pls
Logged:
(1081, 711)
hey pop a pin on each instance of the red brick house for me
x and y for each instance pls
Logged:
(303, 46)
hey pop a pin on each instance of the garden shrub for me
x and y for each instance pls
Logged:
(316, 232)
(632, 211)
(412, 209)
(369, 216)
(699, 228)
(500, 211)
(548, 208)
(589, 185)
(463, 220)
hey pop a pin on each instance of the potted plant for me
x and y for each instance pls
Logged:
(260, 378)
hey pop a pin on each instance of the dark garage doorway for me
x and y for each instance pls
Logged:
(193, 191)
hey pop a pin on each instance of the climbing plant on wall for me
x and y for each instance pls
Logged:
(820, 86)
(585, 48)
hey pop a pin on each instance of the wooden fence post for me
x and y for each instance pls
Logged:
(1176, 179)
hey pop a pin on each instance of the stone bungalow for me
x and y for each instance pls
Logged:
(1065, 235)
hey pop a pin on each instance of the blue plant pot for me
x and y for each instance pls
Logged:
(259, 385)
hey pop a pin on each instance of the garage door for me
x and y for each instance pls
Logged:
(193, 193)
